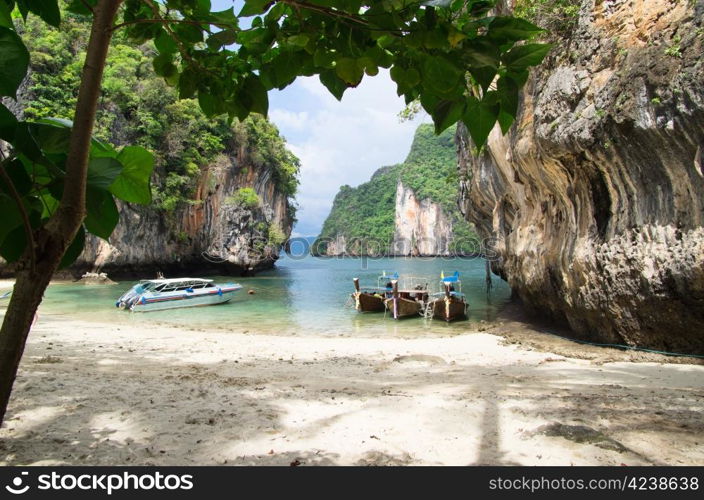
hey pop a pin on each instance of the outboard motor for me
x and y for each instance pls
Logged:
(130, 297)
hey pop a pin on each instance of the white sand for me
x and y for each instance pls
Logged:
(100, 394)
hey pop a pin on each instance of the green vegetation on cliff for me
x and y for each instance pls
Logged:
(367, 212)
(137, 107)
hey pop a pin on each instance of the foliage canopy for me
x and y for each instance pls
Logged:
(459, 61)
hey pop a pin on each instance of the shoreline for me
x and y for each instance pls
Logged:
(104, 394)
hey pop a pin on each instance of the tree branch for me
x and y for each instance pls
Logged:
(166, 20)
(87, 6)
(23, 212)
(181, 49)
(67, 219)
(327, 11)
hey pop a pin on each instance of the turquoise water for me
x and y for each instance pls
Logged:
(301, 296)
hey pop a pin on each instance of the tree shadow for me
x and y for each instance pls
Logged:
(91, 407)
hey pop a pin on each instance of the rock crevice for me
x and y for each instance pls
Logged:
(595, 198)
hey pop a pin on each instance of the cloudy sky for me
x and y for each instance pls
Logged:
(337, 142)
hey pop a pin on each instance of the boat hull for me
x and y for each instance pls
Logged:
(185, 300)
(367, 302)
(403, 308)
(449, 309)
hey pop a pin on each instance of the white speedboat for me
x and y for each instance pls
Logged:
(159, 294)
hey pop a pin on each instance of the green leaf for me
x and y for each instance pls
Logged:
(164, 66)
(132, 184)
(10, 216)
(523, 56)
(300, 40)
(101, 213)
(25, 143)
(255, 95)
(209, 104)
(512, 29)
(484, 76)
(447, 113)
(226, 16)
(349, 71)
(508, 100)
(480, 118)
(8, 122)
(441, 75)
(51, 136)
(79, 6)
(481, 52)
(5, 15)
(19, 177)
(23, 8)
(14, 244)
(187, 84)
(165, 44)
(324, 58)
(74, 249)
(283, 69)
(188, 33)
(333, 83)
(222, 38)
(103, 171)
(254, 7)
(48, 10)
(14, 60)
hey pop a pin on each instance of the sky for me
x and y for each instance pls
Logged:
(338, 142)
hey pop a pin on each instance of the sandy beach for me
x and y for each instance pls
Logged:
(104, 394)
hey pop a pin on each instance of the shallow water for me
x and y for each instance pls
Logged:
(301, 296)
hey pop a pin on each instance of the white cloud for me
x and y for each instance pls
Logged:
(340, 142)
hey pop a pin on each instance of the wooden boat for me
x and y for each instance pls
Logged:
(450, 304)
(405, 303)
(372, 299)
(160, 294)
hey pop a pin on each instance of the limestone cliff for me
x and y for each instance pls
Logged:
(595, 198)
(221, 191)
(422, 227)
(213, 234)
(405, 209)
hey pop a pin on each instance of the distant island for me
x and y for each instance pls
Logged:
(406, 209)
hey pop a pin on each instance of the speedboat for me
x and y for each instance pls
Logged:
(159, 294)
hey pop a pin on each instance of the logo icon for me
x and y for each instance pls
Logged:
(17, 483)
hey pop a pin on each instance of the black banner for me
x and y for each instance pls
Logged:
(230, 482)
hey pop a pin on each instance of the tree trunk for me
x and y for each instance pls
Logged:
(53, 240)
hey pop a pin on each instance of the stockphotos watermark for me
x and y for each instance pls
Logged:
(367, 249)
(105, 483)
(370, 249)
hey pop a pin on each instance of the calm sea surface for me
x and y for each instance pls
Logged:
(301, 296)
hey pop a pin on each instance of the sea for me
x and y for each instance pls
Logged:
(301, 295)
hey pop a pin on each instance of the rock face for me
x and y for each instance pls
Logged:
(214, 234)
(421, 226)
(404, 209)
(595, 198)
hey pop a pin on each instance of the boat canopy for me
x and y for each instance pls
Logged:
(170, 281)
(172, 284)
(450, 279)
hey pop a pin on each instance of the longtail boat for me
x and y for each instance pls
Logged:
(451, 303)
(372, 299)
(406, 302)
